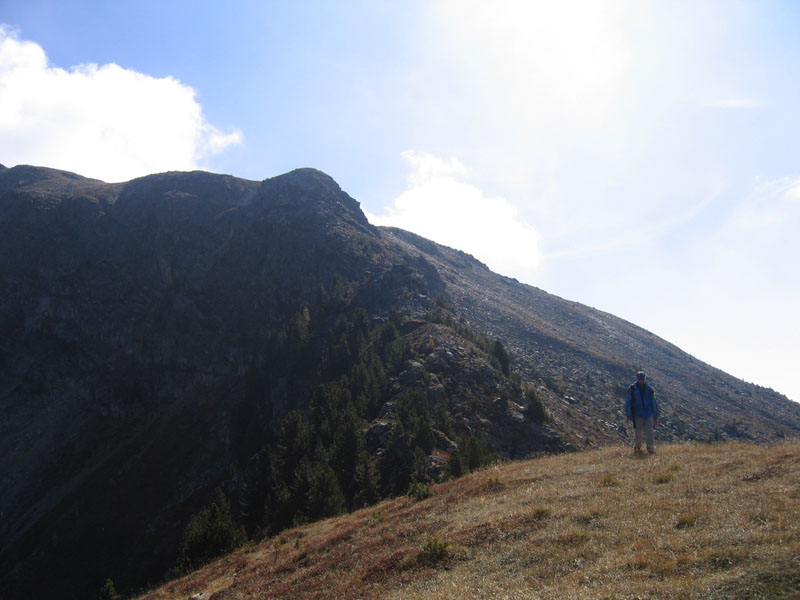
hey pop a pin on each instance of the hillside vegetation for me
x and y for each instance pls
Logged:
(694, 521)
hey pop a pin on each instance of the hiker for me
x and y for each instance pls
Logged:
(641, 409)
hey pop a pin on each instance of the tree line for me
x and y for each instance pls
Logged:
(319, 465)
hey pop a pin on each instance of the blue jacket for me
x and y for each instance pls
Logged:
(637, 406)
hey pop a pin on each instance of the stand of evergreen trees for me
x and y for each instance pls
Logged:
(318, 464)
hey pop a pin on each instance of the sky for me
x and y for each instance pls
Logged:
(639, 157)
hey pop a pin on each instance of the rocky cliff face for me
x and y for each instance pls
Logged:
(133, 317)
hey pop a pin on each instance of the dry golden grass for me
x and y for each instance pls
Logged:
(694, 521)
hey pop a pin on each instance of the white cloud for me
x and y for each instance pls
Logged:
(100, 121)
(440, 206)
(428, 167)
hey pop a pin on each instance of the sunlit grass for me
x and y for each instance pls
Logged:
(694, 521)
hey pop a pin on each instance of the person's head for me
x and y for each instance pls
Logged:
(641, 377)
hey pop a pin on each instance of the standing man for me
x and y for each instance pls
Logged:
(641, 408)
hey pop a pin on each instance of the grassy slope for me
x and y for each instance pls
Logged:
(695, 521)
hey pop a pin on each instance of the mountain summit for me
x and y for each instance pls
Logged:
(182, 332)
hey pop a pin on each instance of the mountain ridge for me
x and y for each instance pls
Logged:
(153, 339)
(499, 308)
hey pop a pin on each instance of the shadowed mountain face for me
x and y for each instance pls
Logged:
(144, 357)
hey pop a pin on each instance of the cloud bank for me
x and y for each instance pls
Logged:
(441, 206)
(100, 121)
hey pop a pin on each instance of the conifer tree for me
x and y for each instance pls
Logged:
(294, 444)
(347, 443)
(210, 533)
(499, 352)
(259, 498)
(324, 497)
(367, 480)
(108, 592)
(455, 465)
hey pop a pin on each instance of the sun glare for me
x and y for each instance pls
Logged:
(566, 58)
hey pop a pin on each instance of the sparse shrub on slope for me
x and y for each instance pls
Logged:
(535, 409)
(434, 552)
(499, 352)
(420, 491)
(473, 453)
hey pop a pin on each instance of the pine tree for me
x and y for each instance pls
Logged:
(294, 444)
(367, 480)
(535, 409)
(421, 461)
(258, 499)
(324, 497)
(347, 443)
(327, 406)
(455, 465)
(108, 592)
(499, 352)
(210, 533)
(413, 413)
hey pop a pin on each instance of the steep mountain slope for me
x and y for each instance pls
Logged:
(588, 358)
(130, 317)
(153, 340)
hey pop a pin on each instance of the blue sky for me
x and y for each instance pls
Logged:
(639, 157)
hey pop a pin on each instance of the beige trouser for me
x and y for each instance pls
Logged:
(644, 428)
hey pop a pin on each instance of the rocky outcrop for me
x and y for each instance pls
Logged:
(457, 375)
